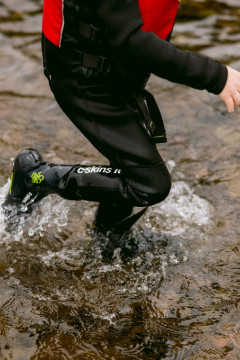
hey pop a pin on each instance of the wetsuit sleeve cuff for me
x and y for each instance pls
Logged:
(221, 80)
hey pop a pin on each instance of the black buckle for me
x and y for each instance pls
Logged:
(96, 62)
(93, 32)
(103, 64)
(88, 31)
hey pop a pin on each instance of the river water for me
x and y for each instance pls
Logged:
(172, 291)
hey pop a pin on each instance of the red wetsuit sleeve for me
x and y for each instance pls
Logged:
(122, 22)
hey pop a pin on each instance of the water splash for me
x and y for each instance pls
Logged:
(50, 212)
(182, 213)
(53, 212)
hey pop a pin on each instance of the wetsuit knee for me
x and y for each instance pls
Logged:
(149, 185)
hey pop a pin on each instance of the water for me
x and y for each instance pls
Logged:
(172, 292)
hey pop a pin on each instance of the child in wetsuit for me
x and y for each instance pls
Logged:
(98, 56)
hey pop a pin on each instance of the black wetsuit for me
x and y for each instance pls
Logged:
(104, 97)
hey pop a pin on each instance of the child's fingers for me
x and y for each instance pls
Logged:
(236, 99)
(229, 104)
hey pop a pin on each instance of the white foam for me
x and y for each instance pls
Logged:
(52, 211)
(180, 212)
(5, 237)
(108, 268)
(69, 255)
(171, 165)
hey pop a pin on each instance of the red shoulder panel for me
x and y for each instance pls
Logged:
(53, 21)
(158, 16)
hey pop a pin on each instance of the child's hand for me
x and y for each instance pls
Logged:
(231, 93)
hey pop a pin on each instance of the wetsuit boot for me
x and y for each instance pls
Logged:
(116, 236)
(31, 180)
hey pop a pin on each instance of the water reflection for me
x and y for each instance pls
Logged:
(172, 292)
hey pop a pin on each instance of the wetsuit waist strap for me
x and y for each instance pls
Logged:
(89, 31)
(95, 62)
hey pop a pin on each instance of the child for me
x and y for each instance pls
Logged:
(98, 55)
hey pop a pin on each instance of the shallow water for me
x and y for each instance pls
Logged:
(172, 291)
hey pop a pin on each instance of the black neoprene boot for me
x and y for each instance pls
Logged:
(31, 180)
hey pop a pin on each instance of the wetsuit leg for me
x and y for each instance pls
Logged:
(113, 126)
